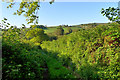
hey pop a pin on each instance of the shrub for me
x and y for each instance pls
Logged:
(37, 35)
(59, 31)
(18, 60)
(53, 38)
(69, 30)
(38, 26)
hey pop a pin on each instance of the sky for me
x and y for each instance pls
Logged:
(61, 13)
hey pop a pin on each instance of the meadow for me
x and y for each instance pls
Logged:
(52, 29)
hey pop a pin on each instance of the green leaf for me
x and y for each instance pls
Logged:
(5, 19)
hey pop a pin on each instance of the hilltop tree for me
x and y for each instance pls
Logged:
(38, 26)
(69, 30)
(59, 31)
(37, 35)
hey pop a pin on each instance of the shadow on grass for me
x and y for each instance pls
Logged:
(85, 71)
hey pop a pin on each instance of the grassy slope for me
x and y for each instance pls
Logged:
(52, 29)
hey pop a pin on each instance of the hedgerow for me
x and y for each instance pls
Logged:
(94, 51)
(20, 60)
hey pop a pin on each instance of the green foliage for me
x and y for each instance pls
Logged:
(22, 61)
(5, 24)
(51, 30)
(37, 35)
(28, 9)
(59, 27)
(38, 26)
(53, 38)
(94, 51)
(76, 30)
(18, 60)
(69, 30)
(113, 14)
(56, 69)
(59, 31)
(19, 63)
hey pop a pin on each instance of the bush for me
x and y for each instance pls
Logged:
(69, 30)
(38, 26)
(37, 35)
(18, 60)
(53, 38)
(59, 31)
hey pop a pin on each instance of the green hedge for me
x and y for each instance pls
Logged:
(22, 61)
(95, 51)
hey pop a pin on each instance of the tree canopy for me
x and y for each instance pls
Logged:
(37, 35)
(29, 8)
(113, 14)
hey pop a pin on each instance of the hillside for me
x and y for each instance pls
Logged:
(21, 59)
(89, 54)
(51, 29)
(95, 52)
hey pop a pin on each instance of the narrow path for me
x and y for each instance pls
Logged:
(46, 72)
(55, 69)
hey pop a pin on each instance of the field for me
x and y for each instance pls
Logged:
(52, 29)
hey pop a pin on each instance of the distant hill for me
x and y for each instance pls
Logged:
(51, 29)
(88, 24)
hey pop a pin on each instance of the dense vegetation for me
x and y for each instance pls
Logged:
(95, 52)
(24, 61)
(90, 53)
(86, 51)
(36, 35)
